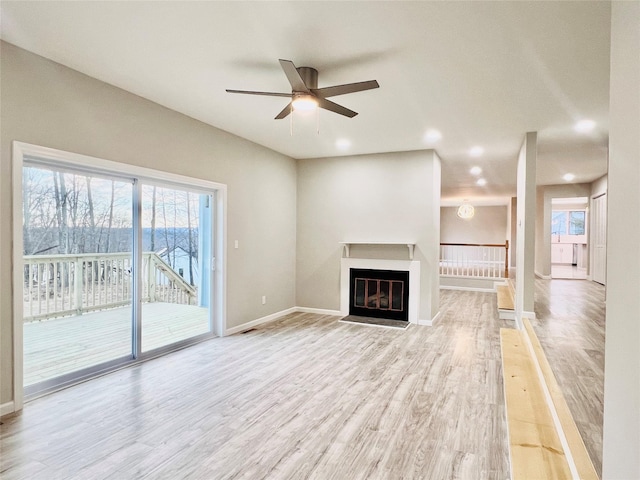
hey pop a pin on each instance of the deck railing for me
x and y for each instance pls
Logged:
(475, 260)
(62, 285)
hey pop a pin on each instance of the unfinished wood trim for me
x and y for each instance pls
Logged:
(534, 445)
(581, 457)
(505, 297)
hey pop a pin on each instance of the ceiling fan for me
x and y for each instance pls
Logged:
(305, 94)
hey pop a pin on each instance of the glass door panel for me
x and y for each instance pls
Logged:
(176, 244)
(77, 284)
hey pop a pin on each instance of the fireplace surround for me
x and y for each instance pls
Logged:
(410, 266)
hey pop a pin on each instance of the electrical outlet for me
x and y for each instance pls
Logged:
(264, 299)
(236, 244)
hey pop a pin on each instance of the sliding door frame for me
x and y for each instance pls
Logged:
(21, 153)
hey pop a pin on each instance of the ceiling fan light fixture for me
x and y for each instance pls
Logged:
(304, 103)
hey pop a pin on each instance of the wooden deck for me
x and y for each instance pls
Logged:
(59, 346)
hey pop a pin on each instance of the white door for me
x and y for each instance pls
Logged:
(599, 238)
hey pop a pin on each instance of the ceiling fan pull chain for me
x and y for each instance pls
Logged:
(318, 121)
(291, 121)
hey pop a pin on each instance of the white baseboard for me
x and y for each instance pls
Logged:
(470, 289)
(524, 314)
(506, 314)
(254, 323)
(7, 408)
(430, 323)
(275, 316)
(319, 311)
(544, 277)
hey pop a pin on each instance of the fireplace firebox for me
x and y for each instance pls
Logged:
(379, 293)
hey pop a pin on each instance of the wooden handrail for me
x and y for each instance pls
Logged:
(506, 245)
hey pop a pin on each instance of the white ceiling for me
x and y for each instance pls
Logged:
(482, 73)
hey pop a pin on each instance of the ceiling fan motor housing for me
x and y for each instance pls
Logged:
(309, 76)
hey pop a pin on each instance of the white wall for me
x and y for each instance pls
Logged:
(621, 449)
(599, 186)
(383, 197)
(46, 104)
(513, 225)
(488, 225)
(543, 229)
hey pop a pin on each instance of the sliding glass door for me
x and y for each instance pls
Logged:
(175, 278)
(77, 244)
(114, 269)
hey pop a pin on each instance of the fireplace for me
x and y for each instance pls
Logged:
(412, 288)
(379, 293)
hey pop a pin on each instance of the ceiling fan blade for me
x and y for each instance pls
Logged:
(285, 111)
(297, 84)
(343, 89)
(334, 107)
(269, 94)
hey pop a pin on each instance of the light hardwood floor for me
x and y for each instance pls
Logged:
(303, 397)
(570, 324)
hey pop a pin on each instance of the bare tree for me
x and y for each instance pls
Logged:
(189, 233)
(153, 219)
(110, 221)
(92, 218)
(61, 211)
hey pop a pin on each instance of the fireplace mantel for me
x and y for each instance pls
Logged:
(347, 246)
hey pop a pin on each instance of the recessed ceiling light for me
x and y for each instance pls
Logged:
(482, 182)
(568, 176)
(432, 136)
(475, 171)
(343, 143)
(584, 126)
(476, 151)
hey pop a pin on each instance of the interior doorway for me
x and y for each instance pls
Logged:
(569, 238)
(599, 239)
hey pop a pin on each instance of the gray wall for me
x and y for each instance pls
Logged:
(383, 197)
(488, 225)
(46, 104)
(621, 448)
(513, 225)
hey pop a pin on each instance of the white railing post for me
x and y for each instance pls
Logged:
(77, 284)
(474, 260)
(151, 274)
(69, 277)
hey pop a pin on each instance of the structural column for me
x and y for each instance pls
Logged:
(525, 228)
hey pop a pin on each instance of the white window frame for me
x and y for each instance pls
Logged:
(22, 151)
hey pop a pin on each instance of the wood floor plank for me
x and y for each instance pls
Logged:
(570, 325)
(536, 450)
(301, 397)
(505, 298)
(576, 444)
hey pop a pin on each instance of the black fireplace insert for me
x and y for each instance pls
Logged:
(379, 293)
